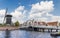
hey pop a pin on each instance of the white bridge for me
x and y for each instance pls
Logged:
(37, 26)
(47, 27)
(43, 27)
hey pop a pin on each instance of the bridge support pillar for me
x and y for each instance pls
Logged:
(51, 30)
(56, 30)
(40, 30)
(48, 30)
(43, 30)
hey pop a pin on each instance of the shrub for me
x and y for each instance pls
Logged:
(16, 23)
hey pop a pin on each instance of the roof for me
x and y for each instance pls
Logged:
(8, 16)
(52, 23)
(41, 23)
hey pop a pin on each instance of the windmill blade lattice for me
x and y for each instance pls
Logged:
(5, 15)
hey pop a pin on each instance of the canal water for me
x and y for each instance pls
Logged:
(24, 34)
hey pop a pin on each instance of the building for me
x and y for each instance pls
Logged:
(39, 23)
(52, 23)
(8, 19)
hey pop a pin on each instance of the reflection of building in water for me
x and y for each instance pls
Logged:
(7, 32)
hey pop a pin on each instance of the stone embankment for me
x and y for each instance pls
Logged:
(8, 27)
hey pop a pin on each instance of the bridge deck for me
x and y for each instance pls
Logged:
(42, 27)
(48, 27)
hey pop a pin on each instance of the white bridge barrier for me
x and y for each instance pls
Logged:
(48, 27)
(42, 26)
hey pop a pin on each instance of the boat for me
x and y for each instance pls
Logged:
(55, 34)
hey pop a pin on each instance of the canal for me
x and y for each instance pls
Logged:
(24, 34)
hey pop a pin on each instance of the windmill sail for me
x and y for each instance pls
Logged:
(5, 16)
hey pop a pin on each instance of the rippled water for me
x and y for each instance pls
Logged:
(25, 34)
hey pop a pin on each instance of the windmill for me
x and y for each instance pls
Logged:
(7, 17)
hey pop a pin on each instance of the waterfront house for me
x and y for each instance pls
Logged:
(41, 23)
(52, 23)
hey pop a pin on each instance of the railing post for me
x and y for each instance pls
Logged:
(56, 30)
(43, 29)
(51, 30)
(48, 30)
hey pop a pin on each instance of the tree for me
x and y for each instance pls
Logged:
(16, 23)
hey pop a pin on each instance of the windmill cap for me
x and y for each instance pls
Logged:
(8, 16)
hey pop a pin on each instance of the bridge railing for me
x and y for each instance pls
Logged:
(42, 26)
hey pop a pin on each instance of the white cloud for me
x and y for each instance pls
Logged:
(55, 18)
(41, 19)
(36, 12)
(40, 11)
(2, 14)
(47, 14)
(35, 15)
(41, 8)
(19, 14)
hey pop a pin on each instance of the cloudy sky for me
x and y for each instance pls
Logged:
(23, 10)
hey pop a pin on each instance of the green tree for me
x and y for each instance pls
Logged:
(16, 23)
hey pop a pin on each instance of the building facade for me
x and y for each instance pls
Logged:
(8, 19)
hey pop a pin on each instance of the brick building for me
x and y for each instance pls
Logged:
(52, 23)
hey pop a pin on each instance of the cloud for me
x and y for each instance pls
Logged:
(41, 19)
(2, 14)
(55, 18)
(40, 11)
(48, 14)
(41, 8)
(19, 14)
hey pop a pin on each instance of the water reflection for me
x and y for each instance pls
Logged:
(2, 33)
(54, 37)
(24, 34)
(7, 33)
(19, 34)
(29, 34)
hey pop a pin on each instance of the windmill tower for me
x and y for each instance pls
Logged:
(7, 18)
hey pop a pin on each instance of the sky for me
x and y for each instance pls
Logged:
(23, 10)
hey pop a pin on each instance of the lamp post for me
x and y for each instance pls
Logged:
(57, 26)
